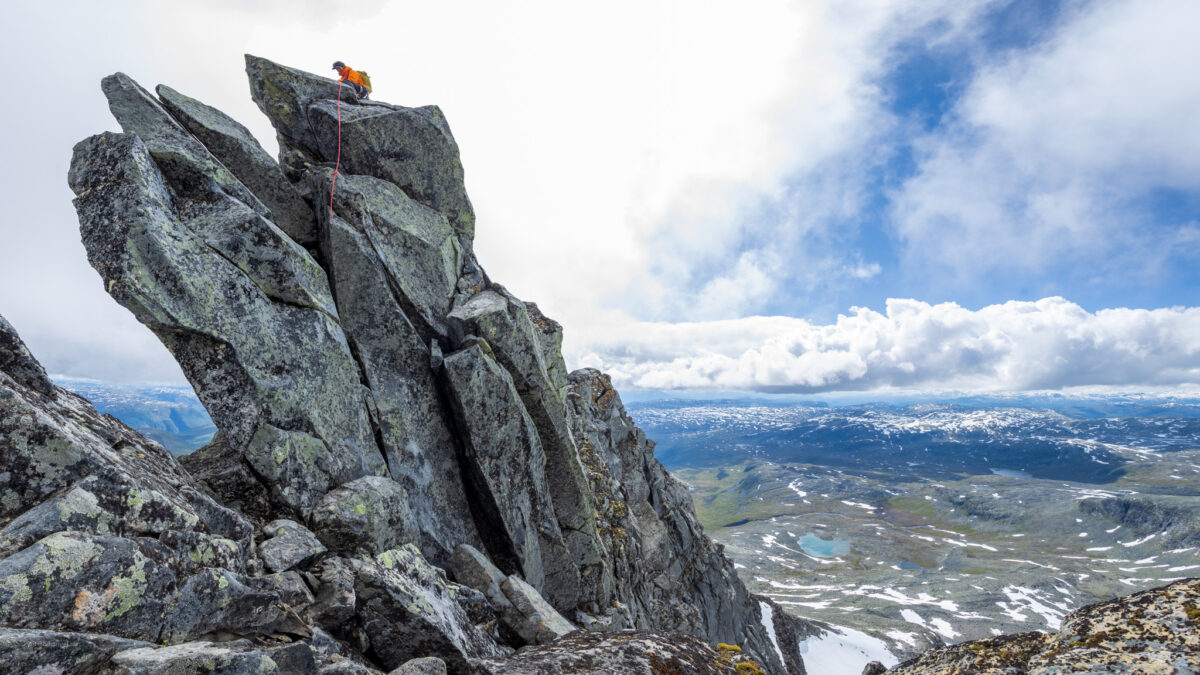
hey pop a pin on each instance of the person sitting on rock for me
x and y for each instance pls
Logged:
(353, 78)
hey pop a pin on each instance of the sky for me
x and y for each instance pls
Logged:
(780, 196)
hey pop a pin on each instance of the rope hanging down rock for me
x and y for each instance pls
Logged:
(337, 163)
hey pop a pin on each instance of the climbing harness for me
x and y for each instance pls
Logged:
(339, 162)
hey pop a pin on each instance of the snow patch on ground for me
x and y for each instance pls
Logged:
(768, 624)
(844, 651)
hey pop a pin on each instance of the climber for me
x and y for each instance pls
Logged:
(356, 79)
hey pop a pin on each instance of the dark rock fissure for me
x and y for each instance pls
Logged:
(484, 510)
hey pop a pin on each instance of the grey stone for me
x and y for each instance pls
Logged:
(370, 514)
(291, 545)
(335, 598)
(19, 364)
(602, 653)
(84, 582)
(111, 504)
(530, 616)
(409, 147)
(470, 567)
(508, 468)
(297, 658)
(874, 668)
(223, 470)
(429, 665)
(103, 476)
(177, 153)
(1151, 631)
(292, 589)
(47, 651)
(219, 600)
(240, 152)
(407, 609)
(414, 244)
(194, 551)
(347, 667)
(194, 658)
(284, 94)
(257, 339)
(322, 387)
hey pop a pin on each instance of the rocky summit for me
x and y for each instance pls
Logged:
(405, 477)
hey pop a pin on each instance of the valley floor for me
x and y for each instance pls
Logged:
(902, 565)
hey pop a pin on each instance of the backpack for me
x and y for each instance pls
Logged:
(366, 80)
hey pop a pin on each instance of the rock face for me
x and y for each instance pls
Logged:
(381, 404)
(1147, 633)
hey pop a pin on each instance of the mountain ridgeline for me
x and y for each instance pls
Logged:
(403, 467)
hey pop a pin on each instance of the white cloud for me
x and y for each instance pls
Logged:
(1051, 151)
(1048, 344)
(662, 159)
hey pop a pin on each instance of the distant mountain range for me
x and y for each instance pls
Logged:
(912, 523)
(169, 414)
(1074, 440)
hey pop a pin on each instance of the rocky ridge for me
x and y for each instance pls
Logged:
(404, 468)
(1154, 632)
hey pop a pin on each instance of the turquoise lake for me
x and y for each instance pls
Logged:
(823, 548)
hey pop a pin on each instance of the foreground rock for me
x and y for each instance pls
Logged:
(621, 652)
(1147, 633)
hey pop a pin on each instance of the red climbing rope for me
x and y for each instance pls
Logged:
(338, 163)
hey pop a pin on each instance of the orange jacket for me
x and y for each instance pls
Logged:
(351, 75)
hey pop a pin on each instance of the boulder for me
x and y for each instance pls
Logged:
(530, 616)
(1148, 632)
(620, 652)
(195, 658)
(47, 651)
(194, 551)
(112, 504)
(370, 514)
(666, 571)
(429, 665)
(471, 568)
(413, 244)
(224, 470)
(291, 545)
(219, 600)
(335, 598)
(237, 149)
(89, 583)
(407, 609)
(284, 95)
(292, 589)
(411, 148)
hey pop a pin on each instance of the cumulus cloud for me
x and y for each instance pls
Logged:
(1048, 344)
(1052, 155)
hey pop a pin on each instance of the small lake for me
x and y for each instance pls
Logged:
(1012, 473)
(823, 548)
